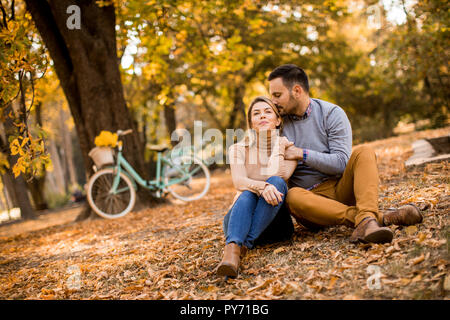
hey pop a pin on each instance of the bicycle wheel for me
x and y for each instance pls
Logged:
(106, 204)
(194, 176)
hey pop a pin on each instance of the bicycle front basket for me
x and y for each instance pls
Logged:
(102, 156)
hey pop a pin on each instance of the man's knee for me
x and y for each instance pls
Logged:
(297, 200)
(301, 202)
(278, 182)
(363, 150)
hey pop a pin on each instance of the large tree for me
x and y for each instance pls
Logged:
(86, 63)
(16, 184)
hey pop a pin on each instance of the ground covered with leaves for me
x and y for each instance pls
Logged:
(170, 251)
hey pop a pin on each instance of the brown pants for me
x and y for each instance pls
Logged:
(345, 201)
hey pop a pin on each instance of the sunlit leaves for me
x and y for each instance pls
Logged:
(171, 251)
(22, 62)
(210, 49)
(32, 156)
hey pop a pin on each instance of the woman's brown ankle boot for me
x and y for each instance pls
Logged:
(244, 250)
(229, 265)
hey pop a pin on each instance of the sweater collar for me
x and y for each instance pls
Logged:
(304, 116)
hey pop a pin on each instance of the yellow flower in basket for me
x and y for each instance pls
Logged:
(106, 139)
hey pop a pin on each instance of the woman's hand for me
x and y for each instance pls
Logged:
(293, 153)
(272, 195)
(285, 143)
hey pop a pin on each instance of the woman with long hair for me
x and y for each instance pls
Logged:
(259, 172)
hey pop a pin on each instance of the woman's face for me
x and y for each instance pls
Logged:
(263, 117)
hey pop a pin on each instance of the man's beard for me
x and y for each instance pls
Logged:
(281, 110)
(292, 105)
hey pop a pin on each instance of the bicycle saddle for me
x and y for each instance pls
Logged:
(158, 147)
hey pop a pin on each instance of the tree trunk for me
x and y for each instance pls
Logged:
(8, 184)
(67, 141)
(86, 63)
(58, 172)
(3, 204)
(170, 120)
(21, 193)
(18, 186)
(36, 185)
(238, 113)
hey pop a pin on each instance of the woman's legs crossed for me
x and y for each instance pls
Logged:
(238, 220)
(264, 213)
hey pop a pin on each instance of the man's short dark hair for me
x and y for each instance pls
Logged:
(291, 74)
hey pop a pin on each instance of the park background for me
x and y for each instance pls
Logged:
(155, 66)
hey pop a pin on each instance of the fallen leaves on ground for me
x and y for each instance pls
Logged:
(170, 251)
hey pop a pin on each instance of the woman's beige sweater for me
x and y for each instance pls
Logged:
(253, 162)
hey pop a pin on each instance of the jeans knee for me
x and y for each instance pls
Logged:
(279, 183)
(246, 195)
(246, 200)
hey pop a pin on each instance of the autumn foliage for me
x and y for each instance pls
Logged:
(170, 251)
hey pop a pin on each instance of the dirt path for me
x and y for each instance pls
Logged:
(59, 217)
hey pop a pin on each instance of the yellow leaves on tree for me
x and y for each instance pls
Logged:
(32, 157)
(22, 62)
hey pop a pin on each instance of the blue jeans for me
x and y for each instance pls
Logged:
(251, 218)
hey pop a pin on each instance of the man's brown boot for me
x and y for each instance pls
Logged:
(368, 230)
(404, 216)
(230, 262)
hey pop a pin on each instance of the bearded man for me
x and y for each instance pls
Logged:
(332, 184)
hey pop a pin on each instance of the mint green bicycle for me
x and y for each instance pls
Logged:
(111, 191)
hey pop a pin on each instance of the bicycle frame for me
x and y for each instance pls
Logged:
(156, 184)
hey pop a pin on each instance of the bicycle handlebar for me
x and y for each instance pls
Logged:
(125, 132)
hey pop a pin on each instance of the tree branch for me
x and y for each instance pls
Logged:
(32, 88)
(5, 23)
(12, 11)
(53, 39)
(212, 113)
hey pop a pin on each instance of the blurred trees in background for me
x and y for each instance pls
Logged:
(392, 72)
(180, 61)
(207, 60)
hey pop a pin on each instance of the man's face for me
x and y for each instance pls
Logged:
(282, 97)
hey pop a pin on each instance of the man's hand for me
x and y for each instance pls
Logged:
(285, 143)
(272, 195)
(293, 153)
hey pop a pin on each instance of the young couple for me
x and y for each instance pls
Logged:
(298, 160)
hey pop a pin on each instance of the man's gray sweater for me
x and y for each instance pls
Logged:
(326, 135)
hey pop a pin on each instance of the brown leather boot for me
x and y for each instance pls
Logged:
(404, 216)
(229, 265)
(244, 250)
(369, 231)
